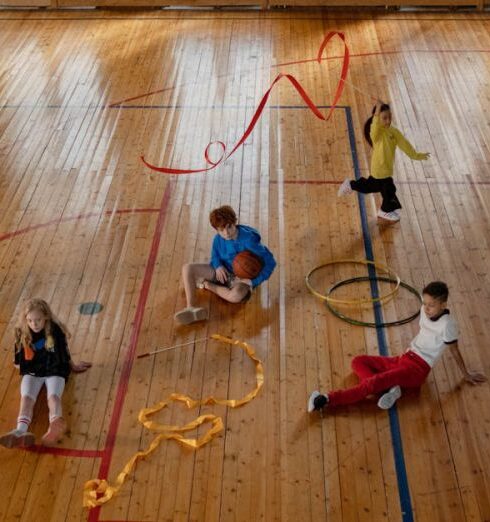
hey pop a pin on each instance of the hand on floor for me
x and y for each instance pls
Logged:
(475, 377)
(82, 366)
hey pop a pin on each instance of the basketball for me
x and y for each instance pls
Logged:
(247, 265)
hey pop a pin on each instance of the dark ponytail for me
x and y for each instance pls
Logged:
(369, 121)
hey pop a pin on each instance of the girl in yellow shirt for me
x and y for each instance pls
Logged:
(384, 139)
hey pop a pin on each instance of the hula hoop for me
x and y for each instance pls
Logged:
(393, 276)
(355, 322)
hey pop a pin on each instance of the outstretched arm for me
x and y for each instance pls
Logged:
(62, 345)
(469, 375)
(217, 263)
(408, 149)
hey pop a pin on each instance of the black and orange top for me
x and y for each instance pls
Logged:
(42, 360)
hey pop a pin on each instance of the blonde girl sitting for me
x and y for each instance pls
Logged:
(43, 358)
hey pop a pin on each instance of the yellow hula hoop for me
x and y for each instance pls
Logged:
(352, 302)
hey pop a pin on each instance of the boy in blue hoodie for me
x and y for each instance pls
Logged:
(218, 276)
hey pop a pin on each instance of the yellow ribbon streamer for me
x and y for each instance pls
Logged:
(97, 492)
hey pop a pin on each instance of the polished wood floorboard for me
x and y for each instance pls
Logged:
(82, 96)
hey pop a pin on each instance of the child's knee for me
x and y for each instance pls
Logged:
(238, 293)
(357, 361)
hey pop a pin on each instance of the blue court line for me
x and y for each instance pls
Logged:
(401, 471)
(122, 106)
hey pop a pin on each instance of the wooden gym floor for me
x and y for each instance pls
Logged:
(82, 95)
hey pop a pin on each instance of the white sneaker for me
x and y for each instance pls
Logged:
(388, 399)
(389, 216)
(345, 189)
(17, 439)
(190, 315)
(316, 401)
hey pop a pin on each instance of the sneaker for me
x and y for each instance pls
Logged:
(191, 315)
(388, 399)
(389, 216)
(17, 439)
(55, 432)
(345, 189)
(316, 401)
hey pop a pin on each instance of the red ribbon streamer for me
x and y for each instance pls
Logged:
(260, 108)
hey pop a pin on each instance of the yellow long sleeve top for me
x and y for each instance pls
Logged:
(385, 141)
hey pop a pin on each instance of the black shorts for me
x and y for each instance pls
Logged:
(232, 281)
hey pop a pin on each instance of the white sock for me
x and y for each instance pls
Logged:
(23, 423)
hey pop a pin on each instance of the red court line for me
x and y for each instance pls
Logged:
(306, 182)
(130, 355)
(296, 62)
(66, 452)
(72, 452)
(415, 182)
(442, 182)
(60, 220)
(383, 53)
(111, 105)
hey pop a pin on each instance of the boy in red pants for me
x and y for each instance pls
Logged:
(389, 375)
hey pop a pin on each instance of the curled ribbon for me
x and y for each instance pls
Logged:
(224, 156)
(97, 492)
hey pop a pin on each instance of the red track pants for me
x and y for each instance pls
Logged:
(378, 374)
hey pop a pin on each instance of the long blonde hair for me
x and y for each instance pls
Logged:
(23, 336)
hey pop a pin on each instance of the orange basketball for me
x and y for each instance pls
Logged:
(247, 265)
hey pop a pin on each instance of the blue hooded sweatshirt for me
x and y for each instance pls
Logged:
(225, 250)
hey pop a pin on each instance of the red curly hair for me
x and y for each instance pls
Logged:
(222, 217)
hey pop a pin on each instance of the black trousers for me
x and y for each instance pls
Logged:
(384, 186)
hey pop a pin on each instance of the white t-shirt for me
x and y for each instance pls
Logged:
(434, 336)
